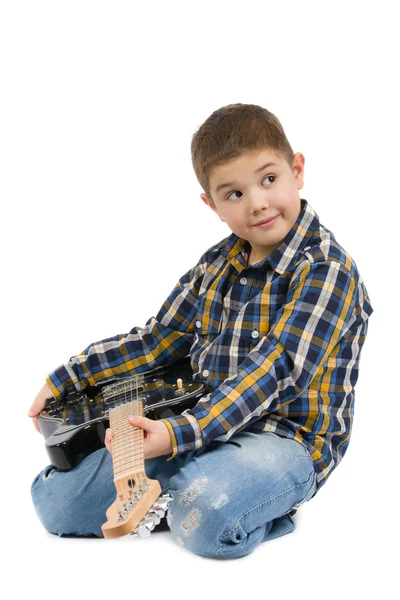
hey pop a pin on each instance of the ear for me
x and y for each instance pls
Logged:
(298, 169)
(211, 204)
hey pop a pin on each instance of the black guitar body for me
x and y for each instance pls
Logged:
(76, 426)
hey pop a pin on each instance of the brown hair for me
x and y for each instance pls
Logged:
(232, 130)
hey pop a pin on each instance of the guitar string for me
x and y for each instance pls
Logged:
(140, 435)
(127, 426)
(130, 440)
(124, 410)
(125, 451)
(120, 455)
(134, 439)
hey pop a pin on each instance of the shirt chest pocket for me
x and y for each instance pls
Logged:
(206, 327)
(227, 337)
(242, 330)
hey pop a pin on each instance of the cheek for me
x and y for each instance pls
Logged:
(236, 219)
(289, 207)
(296, 208)
(236, 223)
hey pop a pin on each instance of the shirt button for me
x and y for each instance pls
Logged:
(254, 333)
(198, 324)
(206, 373)
(243, 281)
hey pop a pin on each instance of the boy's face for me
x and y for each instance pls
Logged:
(256, 194)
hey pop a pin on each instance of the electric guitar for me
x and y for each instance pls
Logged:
(75, 426)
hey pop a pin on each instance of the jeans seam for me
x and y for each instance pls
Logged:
(269, 502)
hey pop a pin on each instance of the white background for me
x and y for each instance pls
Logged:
(101, 214)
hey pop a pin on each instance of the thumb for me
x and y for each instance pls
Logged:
(142, 422)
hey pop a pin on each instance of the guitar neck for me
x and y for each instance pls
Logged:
(127, 445)
(134, 509)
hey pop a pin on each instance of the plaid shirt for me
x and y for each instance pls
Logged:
(278, 342)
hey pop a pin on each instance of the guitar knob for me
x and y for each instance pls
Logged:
(153, 514)
(180, 390)
(158, 511)
(167, 497)
(161, 505)
(163, 501)
(146, 525)
(148, 522)
(143, 531)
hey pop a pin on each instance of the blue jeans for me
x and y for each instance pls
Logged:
(228, 497)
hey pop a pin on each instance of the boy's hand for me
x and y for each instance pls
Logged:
(39, 403)
(157, 440)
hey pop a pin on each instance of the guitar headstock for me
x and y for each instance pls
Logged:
(135, 510)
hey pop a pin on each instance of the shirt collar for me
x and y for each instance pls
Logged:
(306, 226)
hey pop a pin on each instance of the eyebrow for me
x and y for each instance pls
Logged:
(224, 185)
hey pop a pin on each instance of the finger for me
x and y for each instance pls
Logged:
(143, 423)
(34, 409)
(107, 440)
(40, 400)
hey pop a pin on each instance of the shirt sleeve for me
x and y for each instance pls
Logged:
(319, 310)
(163, 339)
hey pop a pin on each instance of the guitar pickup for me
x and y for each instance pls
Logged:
(123, 390)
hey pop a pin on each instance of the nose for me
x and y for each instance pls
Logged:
(258, 201)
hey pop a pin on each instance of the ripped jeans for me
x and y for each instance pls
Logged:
(228, 497)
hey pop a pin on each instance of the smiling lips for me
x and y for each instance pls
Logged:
(265, 221)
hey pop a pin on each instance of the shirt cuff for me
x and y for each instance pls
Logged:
(57, 393)
(185, 434)
(62, 378)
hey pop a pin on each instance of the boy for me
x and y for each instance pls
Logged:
(274, 318)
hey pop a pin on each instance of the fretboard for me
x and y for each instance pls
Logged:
(127, 445)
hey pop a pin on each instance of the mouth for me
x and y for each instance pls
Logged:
(266, 221)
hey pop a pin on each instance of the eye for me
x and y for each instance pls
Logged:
(234, 191)
(268, 176)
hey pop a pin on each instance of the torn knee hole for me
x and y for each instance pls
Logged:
(192, 521)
